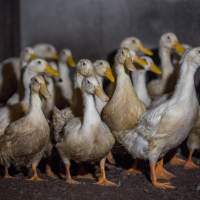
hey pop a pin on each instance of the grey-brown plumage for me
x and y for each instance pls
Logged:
(90, 139)
(26, 139)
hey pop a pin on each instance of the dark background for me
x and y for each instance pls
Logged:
(93, 28)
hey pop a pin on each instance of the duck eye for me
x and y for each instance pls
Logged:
(84, 63)
(133, 41)
(168, 37)
(101, 63)
(39, 62)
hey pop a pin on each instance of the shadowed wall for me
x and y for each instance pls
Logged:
(92, 28)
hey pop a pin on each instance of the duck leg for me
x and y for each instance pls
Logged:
(176, 161)
(110, 158)
(154, 180)
(134, 169)
(35, 176)
(102, 179)
(49, 171)
(162, 173)
(189, 163)
(69, 178)
(7, 175)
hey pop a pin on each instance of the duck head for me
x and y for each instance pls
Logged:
(171, 42)
(66, 57)
(91, 86)
(127, 58)
(41, 66)
(28, 54)
(85, 67)
(38, 85)
(134, 44)
(103, 69)
(151, 66)
(46, 51)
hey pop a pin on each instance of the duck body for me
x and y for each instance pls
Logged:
(88, 141)
(25, 140)
(193, 141)
(166, 126)
(124, 108)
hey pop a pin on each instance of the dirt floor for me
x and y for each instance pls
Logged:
(129, 186)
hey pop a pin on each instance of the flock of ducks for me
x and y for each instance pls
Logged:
(49, 101)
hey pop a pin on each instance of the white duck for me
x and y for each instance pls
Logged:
(165, 127)
(10, 113)
(168, 43)
(91, 139)
(139, 80)
(64, 87)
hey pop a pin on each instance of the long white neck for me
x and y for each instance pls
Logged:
(35, 106)
(66, 84)
(139, 82)
(166, 64)
(185, 90)
(28, 74)
(91, 115)
(78, 78)
(98, 102)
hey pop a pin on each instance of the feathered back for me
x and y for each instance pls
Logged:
(60, 119)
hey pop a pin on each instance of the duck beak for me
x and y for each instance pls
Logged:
(155, 69)
(55, 57)
(145, 50)
(51, 71)
(44, 91)
(109, 75)
(71, 62)
(101, 94)
(178, 47)
(140, 61)
(33, 56)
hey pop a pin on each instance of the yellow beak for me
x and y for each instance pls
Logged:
(51, 71)
(109, 75)
(145, 50)
(101, 94)
(55, 56)
(139, 61)
(33, 56)
(178, 47)
(71, 62)
(155, 69)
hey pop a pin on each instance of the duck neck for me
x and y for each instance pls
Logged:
(35, 104)
(166, 64)
(139, 82)
(26, 83)
(65, 85)
(78, 78)
(98, 102)
(185, 89)
(91, 116)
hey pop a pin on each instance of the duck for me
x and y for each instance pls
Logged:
(64, 87)
(9, 113)
(10, 71)
(165, 84)
(46, 51)
(102, 69)
(89, 139)
(135, 44)
(139, 80)
(193, 144)
(166, 126)
(25, 139)
(124, 108)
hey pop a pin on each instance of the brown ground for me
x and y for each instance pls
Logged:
(130, 187)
